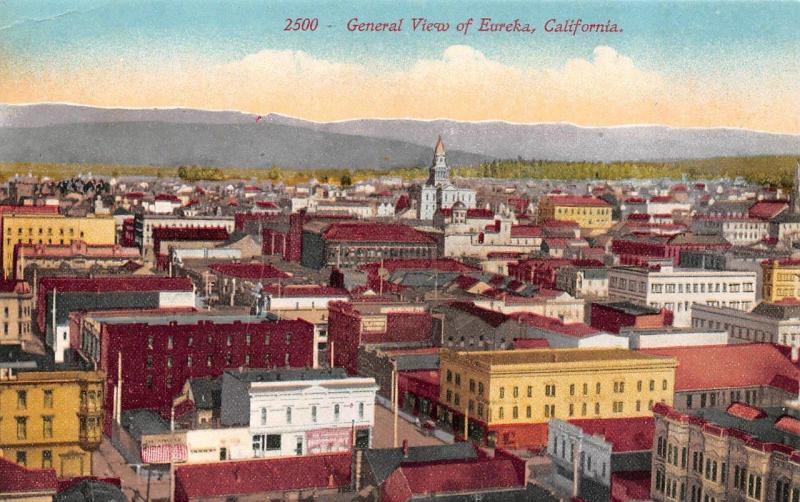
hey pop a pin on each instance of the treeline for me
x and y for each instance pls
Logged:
(195, 173)
(776, 171)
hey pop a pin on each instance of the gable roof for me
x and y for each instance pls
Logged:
(383, 461)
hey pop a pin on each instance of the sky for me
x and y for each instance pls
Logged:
(687, 64)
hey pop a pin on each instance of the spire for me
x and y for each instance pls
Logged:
(439, 150)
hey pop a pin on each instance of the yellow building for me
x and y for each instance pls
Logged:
(510, 395)
(51, 419)
(781, 279)
(52, 229)
(588, 212)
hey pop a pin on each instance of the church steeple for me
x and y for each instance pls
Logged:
(439, 173)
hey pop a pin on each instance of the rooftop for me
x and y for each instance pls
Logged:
(629, 308)
(375, 232)
(557, 356)
(287, 374)
(254, 270)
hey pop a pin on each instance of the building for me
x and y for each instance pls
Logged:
(616, 316)
(353, 244)
(58, 296)
(32, 261)
(509, 396)
(590, 213)
(596, 450)
(559, 334)
(638, 249)
(781, 279)
(754, 373)
(265, 479)
(777, 323)
(21, 484)
(145, 223)
(438, 192)
(168, 350)
(167, 241)
(15, 312)
(739, 230)
(583, 280)
(300, 411)
(353, 325)
(740, 453)
(51, 419)
(677, 290)
(52, 229)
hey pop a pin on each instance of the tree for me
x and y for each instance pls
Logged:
(345, 181)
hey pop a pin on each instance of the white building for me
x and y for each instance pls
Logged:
(739, 231)
(652, 338)
(583, 281)
(438, 192)
(567, 444)
(677, 289)
(769, 323)
(299, 411)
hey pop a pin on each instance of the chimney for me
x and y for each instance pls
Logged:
(405, 448)
(795, 353)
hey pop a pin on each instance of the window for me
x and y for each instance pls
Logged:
(22, 458)
(515, 412)
(619, 387)
(229, 340)
(550, 390)
(47, 459)
(585, 389)
(189, 341)
(48, 399)
(528, 411)
(266, 339)
(664, 385)
(22, 427)
(288, 414)
(149, 362)
(583, 409)
(361, 410)
(22, 399)
(47, 427)
(335, 412)
(597, 388)
(210, 361)
(288, 338)
(263, 416)
(169, 342)
(273, 442)
(450, 377)
(689, 401)
(149, 341)
(480, 388)
(652, 385)
(471, 385)
(617, 407)
(515, 392)
(502, 392)
(500, 413)
(572, 389)
(596, 408)
(188, 361)
(169, 361)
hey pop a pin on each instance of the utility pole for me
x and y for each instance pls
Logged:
(394, 400)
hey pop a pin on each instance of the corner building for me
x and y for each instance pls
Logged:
(509, 396)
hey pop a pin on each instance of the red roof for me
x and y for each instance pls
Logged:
(190, 234)
(465, 281)
(767, 209)
(480, 213)
(15, 478)
(449, 477)
(577, 329)
(374, 232)
(625, 434)
(168, 197)
(635, 200)
(639, 216)
(745, 411)
(441, 264)
(300, 290)
(266, 204)
(531, 343)
(115, 283)
(221, 479)
(526, 231)
(577, 200)
(661, 198)
(788, 424)
(248, 270)
(739, 365)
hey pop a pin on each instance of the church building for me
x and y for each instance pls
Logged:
(438, 192)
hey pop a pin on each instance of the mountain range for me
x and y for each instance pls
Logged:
(59, 133)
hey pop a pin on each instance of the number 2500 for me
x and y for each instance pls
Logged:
(301, 24)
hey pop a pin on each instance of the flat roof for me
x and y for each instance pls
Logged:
(181, 319)
(556, 356)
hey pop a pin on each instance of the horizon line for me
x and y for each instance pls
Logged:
(484, 121)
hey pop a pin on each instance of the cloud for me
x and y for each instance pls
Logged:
(605, 88)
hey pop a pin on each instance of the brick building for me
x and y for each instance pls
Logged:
(56, 297)
(614, 316)
(352, 244)
(635, 249)
(169, 350)
(352, 325)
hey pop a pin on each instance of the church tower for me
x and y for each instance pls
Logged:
(439, 173)
(796, 189)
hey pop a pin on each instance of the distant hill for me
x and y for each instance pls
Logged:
(55, 133)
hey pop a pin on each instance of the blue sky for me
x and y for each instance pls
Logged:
(740, 43)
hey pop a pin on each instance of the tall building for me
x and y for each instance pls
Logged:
(781, 279)
(438, 192)
(588, 212)
(509, 396)
(51, 419)
(52, 229)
